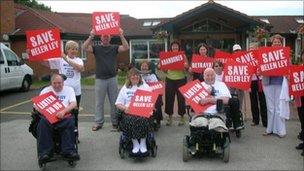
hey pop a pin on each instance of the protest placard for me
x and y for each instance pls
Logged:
(273, 61)
(296, 81)
(43, 44)
(221, 56)
(199, 63)
(142, 103)
(158, 87)
(107, 23)
(193, 92)
(246, 57)
(49, 105)
(172, 60)
(238, 75)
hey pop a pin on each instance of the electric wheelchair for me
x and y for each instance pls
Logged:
(126, 145)
(56, 153)
(208, 135)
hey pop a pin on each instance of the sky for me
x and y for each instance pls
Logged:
(164, 9)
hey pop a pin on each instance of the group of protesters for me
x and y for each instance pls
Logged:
(264, 92)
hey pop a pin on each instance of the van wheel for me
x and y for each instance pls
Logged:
(26, 84)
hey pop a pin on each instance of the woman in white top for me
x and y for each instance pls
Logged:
(71, 67)
(218, 68)
(135, 127)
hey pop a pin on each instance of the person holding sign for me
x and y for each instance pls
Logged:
(272, 86)
(174, 80)
(219, 90)
(299, 102)
(234, 91)
(106, 81)
(152, 78)
(203, 52)
(257, 97)
(65, 126)
(70, 66)
(135, 127)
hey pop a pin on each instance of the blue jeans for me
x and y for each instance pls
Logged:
(45, 136)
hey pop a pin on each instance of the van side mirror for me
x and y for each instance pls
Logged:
(21, 62)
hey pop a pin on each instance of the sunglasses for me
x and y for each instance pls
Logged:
(217, 66)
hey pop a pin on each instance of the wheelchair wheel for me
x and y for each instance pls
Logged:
(186, 153)
(72, 163)
(42, 166)
(154, 151)
(122, 152)
(226, 150)
(238, 133)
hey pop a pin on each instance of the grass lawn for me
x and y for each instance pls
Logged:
(87, 81)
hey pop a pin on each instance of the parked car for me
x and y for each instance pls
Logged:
(14, 72)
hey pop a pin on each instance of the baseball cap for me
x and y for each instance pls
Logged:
(236, 47)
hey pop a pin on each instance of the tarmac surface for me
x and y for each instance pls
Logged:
(99, 150)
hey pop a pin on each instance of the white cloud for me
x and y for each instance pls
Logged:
(156, 9)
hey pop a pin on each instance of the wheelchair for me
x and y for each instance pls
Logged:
(207, 139)
(126, 145)
(235, 121)
(157, 115)
(36, 116)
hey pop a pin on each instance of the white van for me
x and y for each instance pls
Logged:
(14, 72)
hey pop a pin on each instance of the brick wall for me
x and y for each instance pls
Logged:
(7, 16)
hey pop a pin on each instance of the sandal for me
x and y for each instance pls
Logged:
(266, 134)
(96, 127)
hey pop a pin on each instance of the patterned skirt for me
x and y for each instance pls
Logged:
(135, 127)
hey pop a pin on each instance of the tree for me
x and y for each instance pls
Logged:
(33, 4)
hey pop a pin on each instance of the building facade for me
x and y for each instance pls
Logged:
(216, 25)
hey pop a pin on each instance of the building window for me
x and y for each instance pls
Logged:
(146, 49)
(81, 53)
(147, 23)
(155, 23)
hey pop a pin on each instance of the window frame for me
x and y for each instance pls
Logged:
(147, 42)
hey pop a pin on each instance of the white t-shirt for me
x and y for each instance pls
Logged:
(149, 78)
(66, 95)
(125, 94)
(221, 90)
(219, 77)
(73, 76)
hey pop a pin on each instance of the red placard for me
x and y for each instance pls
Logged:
(142, 103)
(222, 56)
(273, 61)
(172, 60)
(107, 23)
(238, 75)
(296, 81)
(193, 92)
(48, 105)
(199, 63)
(246, 57)
(43, 44)
(158, 87)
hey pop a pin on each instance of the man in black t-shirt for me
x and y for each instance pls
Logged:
(106, 81)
